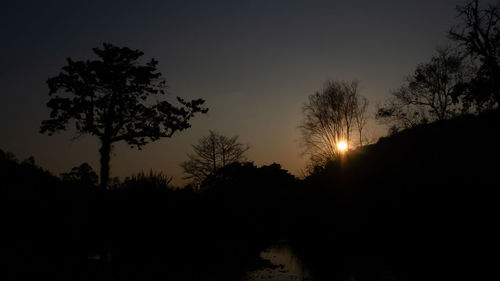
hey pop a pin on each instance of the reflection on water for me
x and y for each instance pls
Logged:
(287, 266)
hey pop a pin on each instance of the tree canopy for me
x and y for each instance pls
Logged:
(212, 153)
(83, 174)
(433, 92)
(330, 116)
(478, 34)
(115, 97)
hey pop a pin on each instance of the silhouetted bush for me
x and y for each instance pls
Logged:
(82, 175)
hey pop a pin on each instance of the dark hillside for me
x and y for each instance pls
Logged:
(423, 198)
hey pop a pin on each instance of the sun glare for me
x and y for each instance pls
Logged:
(342, 146)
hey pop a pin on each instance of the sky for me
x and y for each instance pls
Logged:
(254, 62)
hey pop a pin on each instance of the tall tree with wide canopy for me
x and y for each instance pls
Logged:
(478, 33)
(115, 97)
(434, 92)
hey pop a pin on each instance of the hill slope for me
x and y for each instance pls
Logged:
(424, 199)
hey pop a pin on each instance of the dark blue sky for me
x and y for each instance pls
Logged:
(255, 63)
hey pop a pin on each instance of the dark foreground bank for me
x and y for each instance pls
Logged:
(419, 205)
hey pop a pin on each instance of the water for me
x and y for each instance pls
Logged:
(287, 266)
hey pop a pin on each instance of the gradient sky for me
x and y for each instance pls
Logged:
(254, 62)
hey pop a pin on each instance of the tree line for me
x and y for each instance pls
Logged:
(115, 98)
(459, 79)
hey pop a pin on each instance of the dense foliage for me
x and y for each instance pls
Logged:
(115, 98)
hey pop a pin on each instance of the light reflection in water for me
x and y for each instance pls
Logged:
(289, 266)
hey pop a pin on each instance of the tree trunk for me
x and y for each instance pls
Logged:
(105, 158)
(105, 152)
(214, 158)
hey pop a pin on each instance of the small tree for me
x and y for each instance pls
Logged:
(83, 174)
(211, 153)
(433, 92)
(330, 117)
(360, 116)
(111, 98)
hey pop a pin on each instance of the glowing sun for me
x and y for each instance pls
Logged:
(342, 146)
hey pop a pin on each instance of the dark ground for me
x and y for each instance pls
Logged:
(419, 205)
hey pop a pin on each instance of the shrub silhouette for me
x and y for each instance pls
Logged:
(82, 175)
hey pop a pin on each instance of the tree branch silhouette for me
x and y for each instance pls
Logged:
(111, 98)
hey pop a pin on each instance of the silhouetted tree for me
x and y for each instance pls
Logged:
(479, 35)
(30, 161)
(360, 116)
(7, 156)
(211, 153)
(83, 174)
(330, 117)
(111, 98)
(433, 92)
